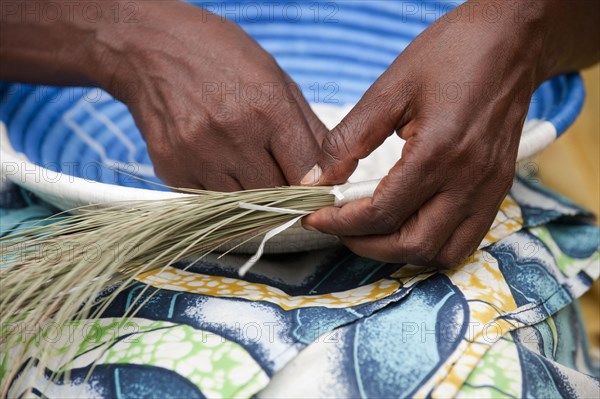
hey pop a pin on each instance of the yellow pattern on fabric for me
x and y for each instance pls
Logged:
(489, 296)
(479, 278)
(181, 280)
(507, 222)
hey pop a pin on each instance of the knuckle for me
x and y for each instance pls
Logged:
(385, 221)
(335, 145)
(410, 249)
(426, 250)
(266, 110)
(187, 130)
(222, 118)
(418, 252)
(341, 221)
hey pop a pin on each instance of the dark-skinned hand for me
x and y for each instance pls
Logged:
(215, 109)
(458, 95)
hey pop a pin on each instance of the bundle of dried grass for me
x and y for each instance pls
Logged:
(47, 273)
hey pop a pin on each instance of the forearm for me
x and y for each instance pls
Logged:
(59, 42)
(560, 34)
(573, 32)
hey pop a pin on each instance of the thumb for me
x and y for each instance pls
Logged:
(364, 129)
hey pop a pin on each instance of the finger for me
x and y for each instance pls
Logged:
(261, 173)
(377, 247)
(464, 241)
(425, 233)
(295, 149)
(223, 183)
(316, 125)
(350, 219)
(365, 128)
(397, 197)
(418, 241)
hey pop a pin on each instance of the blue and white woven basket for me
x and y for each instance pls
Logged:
(54, 139)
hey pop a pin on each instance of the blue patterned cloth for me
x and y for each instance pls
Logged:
(331, 324)
(325, 323)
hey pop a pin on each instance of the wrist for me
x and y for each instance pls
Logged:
(530, 25)
(116, 37)
(126, 52)
(523, 25)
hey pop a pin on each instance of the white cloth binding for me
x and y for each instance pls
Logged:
(349, 192)
(273, 209)
(67, 192)
(343, 193)
(252, 261)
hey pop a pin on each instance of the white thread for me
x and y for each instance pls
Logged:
(252, 261)
(272, 233)
(274, 209)
(344, 193)
(338, 194)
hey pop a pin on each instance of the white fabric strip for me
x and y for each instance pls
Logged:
(273, 209)
(252, 261)
(344, 193)
(348, 192)
(339, 196)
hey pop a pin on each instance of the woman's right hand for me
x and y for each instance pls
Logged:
(215, 109)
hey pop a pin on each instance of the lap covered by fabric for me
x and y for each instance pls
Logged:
(329, 323)
(324, 323)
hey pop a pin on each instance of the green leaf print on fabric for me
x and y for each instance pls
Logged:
(220, 368)
(498, 374)
(217, 366)
(568, 265)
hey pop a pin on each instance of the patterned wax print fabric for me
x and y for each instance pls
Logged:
(325, 323)
(331, 324)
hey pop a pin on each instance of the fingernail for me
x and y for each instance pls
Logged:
(312, 177)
